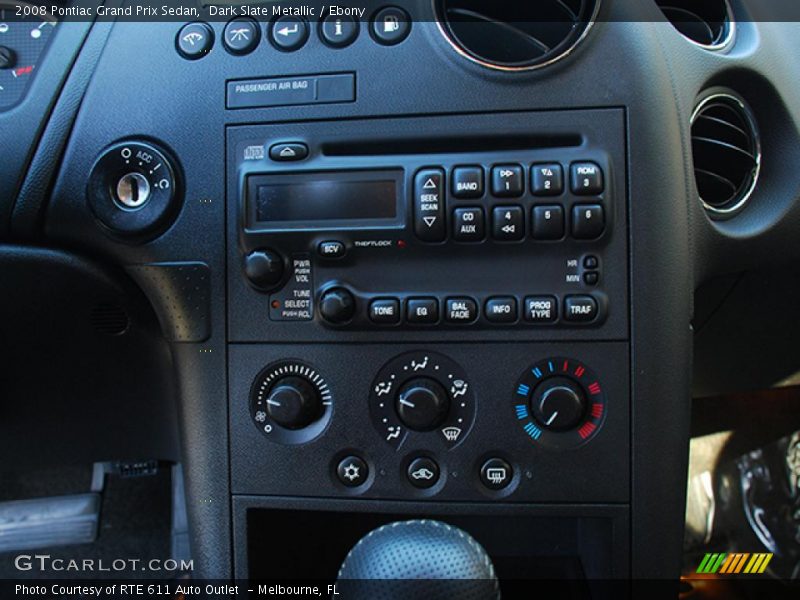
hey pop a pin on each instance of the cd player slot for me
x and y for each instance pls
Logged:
(455, 144)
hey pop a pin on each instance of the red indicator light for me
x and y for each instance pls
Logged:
(22, 71)
(276, 304)
(597, 410)
(579, 371)
(594, 389)
(401, 243)
(586, 430)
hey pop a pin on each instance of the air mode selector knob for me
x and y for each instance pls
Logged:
(422, 404)
(294, 403)
(558, 404)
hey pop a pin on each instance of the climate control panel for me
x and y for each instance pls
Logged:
(431, 421)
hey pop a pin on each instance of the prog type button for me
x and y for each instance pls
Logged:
(541, 309)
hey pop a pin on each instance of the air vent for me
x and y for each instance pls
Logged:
(726, 151)
(515, 36)
(707, 23)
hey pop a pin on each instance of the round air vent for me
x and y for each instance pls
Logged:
(726, 151)
(515, 36)
(708, 23)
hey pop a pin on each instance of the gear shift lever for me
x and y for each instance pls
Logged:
(418, 559)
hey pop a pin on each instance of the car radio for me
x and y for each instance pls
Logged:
(335, 223)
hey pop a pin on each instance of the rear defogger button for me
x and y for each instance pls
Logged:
(429, 215)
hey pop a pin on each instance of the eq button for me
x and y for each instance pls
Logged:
(423, 311)
(429, 216)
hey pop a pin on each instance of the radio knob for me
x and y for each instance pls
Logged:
(558, 404)
(294, 403)
(264, 268)
(422, 404)
(337, 306)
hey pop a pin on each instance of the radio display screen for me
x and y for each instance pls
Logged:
(325, 199)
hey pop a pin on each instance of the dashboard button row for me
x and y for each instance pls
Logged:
(463, 310)
(546, 179)
(508, 223)
(389, 26)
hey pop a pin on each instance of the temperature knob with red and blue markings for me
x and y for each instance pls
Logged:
(559, 402)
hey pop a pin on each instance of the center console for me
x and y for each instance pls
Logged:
(434, 313)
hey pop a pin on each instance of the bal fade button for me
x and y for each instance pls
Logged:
(461, 310)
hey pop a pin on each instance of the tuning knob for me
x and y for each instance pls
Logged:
(293, 403)
(422, 404)
(337, 306)
(263, 268)
(558, 404)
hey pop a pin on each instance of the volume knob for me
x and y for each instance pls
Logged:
(263, 268)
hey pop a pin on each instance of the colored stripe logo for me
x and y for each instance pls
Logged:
(735, 563)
